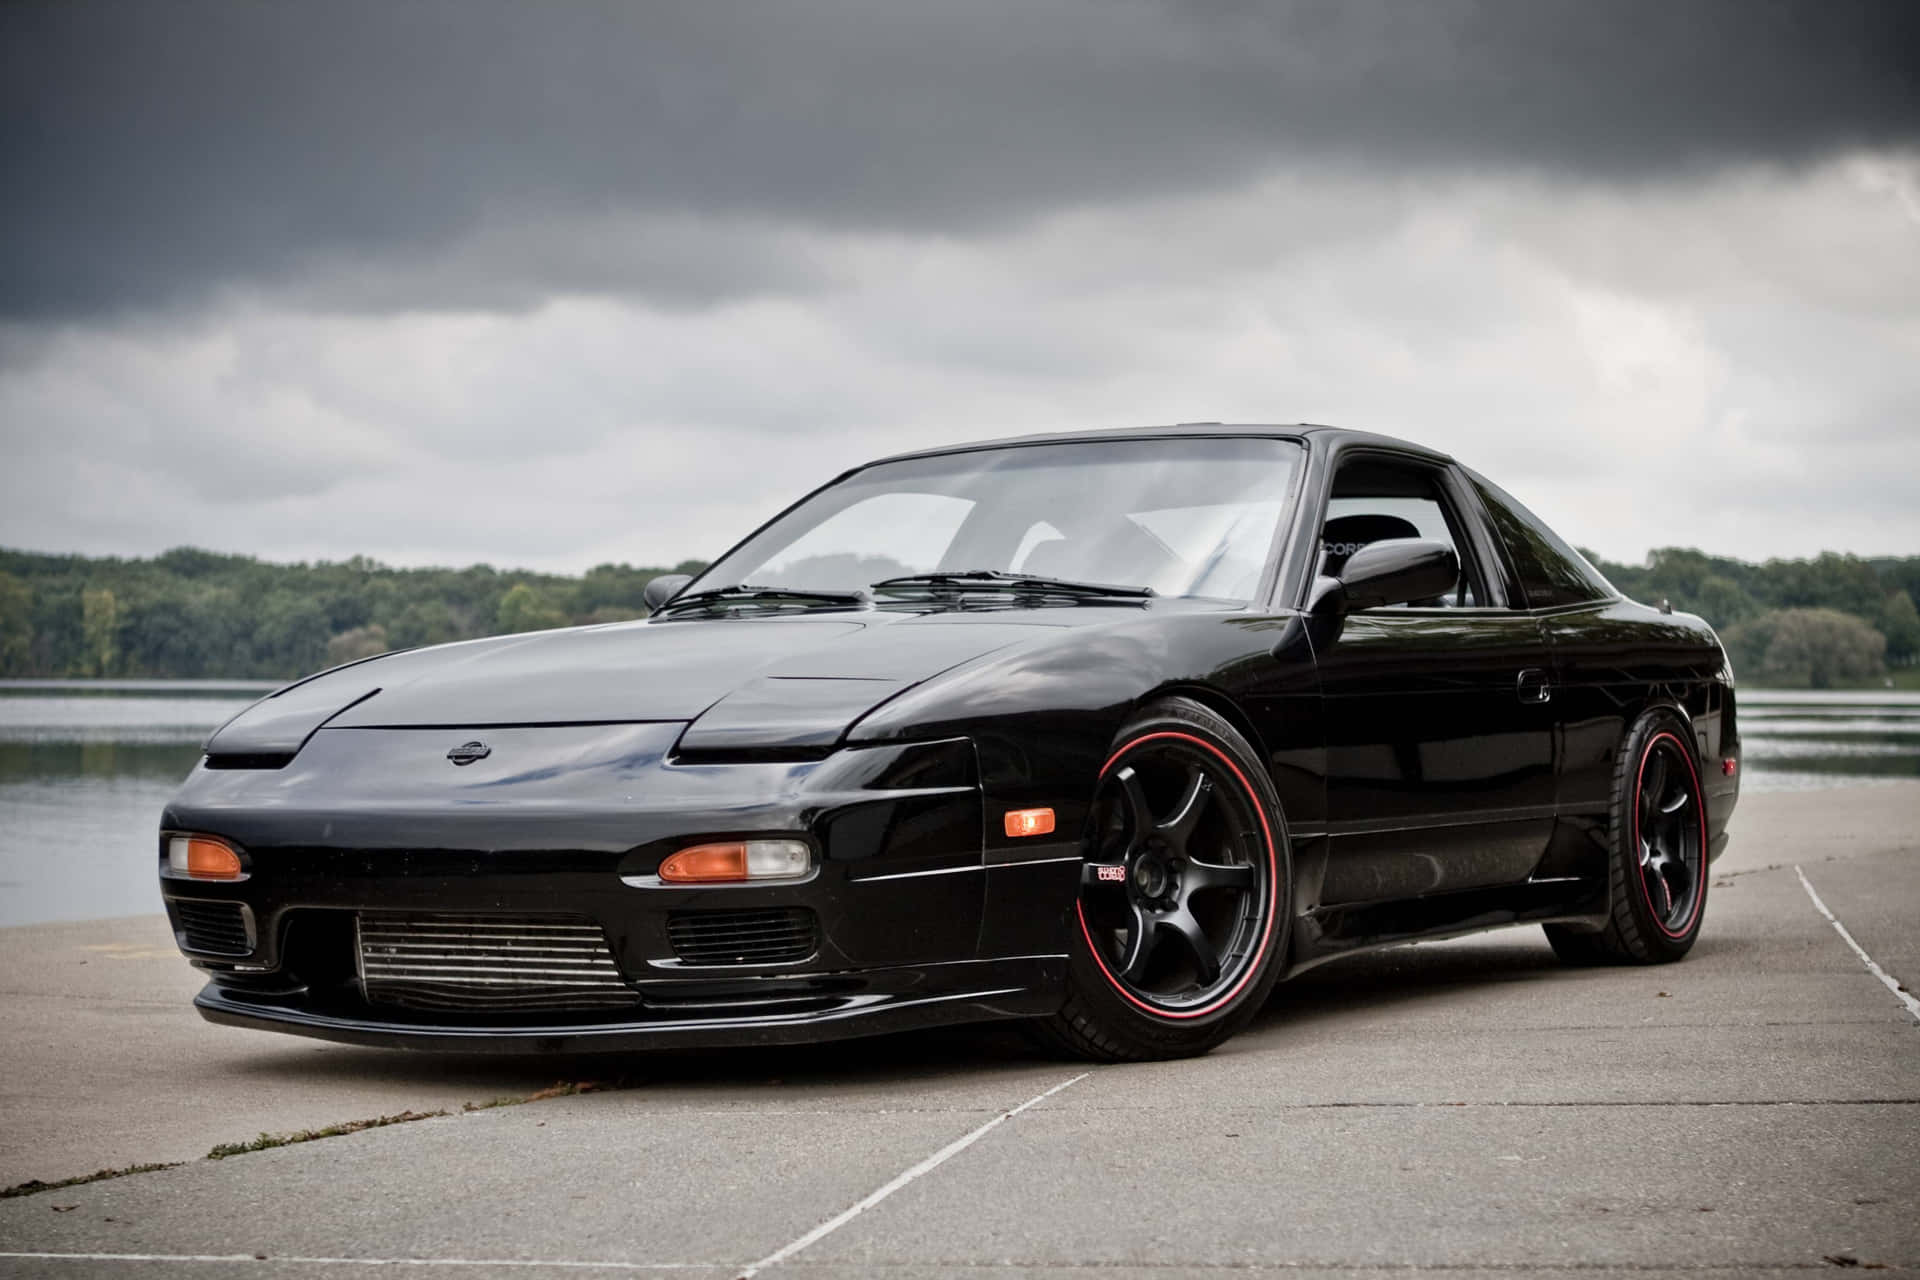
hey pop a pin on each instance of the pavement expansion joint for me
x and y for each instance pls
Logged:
(1899, 989)
(903, 1179)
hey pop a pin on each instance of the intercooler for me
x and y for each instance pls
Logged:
(488, 962)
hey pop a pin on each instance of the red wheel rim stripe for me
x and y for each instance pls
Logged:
(1700, 804)
(1273, 877)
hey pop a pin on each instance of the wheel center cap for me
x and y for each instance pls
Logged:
(1149, 877)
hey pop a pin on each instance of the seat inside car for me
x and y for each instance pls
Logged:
(1374, 500)
(1118, 552)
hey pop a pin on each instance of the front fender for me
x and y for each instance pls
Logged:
(1044, 713)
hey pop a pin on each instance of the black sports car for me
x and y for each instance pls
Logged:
(1108, 731)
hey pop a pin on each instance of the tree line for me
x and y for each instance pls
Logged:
(193, 613)
(1827, 621)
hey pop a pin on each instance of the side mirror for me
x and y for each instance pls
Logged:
(1398, 571)
(664, 588)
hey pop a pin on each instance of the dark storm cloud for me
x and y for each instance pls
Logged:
(155, 153)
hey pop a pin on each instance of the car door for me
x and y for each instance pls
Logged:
(1440, 750)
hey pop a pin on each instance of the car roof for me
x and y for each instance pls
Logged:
(1316, 434)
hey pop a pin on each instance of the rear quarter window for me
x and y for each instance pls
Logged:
(1551, 572)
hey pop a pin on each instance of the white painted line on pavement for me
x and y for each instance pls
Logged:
(1904, 997)
(254, 1260)
(926, 1166)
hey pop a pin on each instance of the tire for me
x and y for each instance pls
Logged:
(1657, 872)
(1182, 919)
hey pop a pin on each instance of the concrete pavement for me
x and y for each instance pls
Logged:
(1452, 1109)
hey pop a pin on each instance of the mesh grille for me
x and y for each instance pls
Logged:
(489, 962)
(778, 936)
(213, 928)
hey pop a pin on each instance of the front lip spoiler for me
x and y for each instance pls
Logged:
(1027, 987)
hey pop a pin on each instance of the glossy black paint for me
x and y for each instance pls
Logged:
(1440, 770)
(1398, 571)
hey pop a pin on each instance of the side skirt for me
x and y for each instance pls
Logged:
(1328, 933)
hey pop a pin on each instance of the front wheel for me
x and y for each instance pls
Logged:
(1184, 898)
(1657, 872)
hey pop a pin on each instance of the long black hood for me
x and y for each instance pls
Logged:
(747, 682)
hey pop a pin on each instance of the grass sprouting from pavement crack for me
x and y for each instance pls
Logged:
(559, 1089)
(267, 1141)
(33, 1186)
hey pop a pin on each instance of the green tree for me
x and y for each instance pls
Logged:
(1811, 648)
(1723, 602)
(100, 623)
(524, 609)
(1829, 581)
(1746, 644)
(423, 622)
(16, 626)
(290, 634)
(356, 643)
(1900, 624)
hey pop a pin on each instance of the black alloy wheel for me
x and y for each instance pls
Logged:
(1184, 899)
(1667, 836)
(1657, 869)
(1170, 894)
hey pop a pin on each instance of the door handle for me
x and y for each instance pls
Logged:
(1532, 686)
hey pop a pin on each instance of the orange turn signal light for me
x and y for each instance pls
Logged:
(706, 863)
(774, 859)
(1029, 822)
(203, 858)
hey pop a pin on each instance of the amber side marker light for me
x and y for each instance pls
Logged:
(202, 858)
(738, 861)
(1029, 822)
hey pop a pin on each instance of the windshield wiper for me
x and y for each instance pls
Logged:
(1025, 584)
(743, 593)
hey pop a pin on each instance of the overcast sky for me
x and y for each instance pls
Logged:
(554, 284)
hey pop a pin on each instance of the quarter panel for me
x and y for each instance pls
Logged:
(1612, 660)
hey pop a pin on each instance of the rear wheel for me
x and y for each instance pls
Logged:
(1184, 893)
(1657, 872)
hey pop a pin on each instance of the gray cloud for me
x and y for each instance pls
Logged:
(381, 156)
(1578, 342)
(557, 284)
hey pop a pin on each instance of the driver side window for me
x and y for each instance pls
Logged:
(1376, 499)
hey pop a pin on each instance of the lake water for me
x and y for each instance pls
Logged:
(86, 766)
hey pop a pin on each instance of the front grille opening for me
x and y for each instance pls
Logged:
(782, 935)
(488, 962)
(212, 928)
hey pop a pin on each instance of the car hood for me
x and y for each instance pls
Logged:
(747, 683)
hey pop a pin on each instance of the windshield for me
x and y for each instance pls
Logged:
(1186, 517)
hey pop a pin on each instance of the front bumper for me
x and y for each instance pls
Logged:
(914, 919)
(880, 1002)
